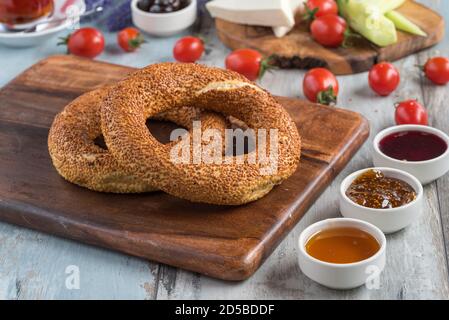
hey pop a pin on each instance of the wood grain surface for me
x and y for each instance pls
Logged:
(298, 50)
(224, 242)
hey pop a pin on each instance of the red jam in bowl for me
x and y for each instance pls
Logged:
(413, 146)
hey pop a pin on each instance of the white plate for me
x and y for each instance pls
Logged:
(20, 39)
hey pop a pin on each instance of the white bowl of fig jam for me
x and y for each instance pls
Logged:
(342, 253)
(390, 199)
(420, 150)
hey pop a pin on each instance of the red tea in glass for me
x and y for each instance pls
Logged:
(16, 12)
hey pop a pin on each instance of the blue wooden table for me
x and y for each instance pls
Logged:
(34, 265)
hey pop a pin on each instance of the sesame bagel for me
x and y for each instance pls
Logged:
(160, 87)
(77, 158)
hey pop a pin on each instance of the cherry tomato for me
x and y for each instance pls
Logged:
(411, 112)
(130, 39)
(188, 49)
(320, 85)
(319, 8)
(437, 70)
(383, 78)
(85, 42)
(246, 62)
(329, 30)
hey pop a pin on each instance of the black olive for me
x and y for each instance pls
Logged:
(144, 5)
(162, 6)
(184, 3)
(155, 8)
(168, 9)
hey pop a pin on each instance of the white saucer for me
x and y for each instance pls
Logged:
(21, 39)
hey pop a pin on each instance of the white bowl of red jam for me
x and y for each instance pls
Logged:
(342, 253)
(420, 150)
(390, 199)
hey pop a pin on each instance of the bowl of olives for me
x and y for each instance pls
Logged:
(163, 17)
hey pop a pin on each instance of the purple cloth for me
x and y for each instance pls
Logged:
(115, 16)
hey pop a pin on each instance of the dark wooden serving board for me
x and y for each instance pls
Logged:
(224, 242)
(298, 50)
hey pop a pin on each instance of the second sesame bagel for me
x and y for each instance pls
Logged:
(160, 87)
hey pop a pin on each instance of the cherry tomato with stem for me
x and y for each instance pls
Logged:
(383, 78)
(411, 112)
(84, 42)
(130, 39)
(320, 85)
(437, 70)
(188, 49)
(329, 30)
(249, 63)
(319, 8)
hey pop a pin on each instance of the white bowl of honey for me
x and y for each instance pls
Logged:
(390, 199)
(342, 253)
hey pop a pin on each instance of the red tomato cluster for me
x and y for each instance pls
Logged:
(89, 42)
(319, 84)
(327, 27)
(384, 78)
(319, 8)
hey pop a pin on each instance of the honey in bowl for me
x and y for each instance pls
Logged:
(342, 245)
(373, 189)
(14, 12)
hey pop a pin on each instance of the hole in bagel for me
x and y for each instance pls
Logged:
(160, 129)
(99, 142)
(249, 144)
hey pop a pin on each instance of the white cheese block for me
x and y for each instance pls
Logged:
(296, 5)
(279, 32)
(271, 13)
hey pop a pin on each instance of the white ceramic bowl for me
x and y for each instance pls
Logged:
(19, 39)
(387, 220)
(426, 171)
(164, 24)
(336, 275)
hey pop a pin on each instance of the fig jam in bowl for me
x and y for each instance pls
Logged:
(341, 253)
(390, 199)
(420, 150)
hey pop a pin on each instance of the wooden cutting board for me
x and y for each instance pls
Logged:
(224, 242)
(298, 50)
